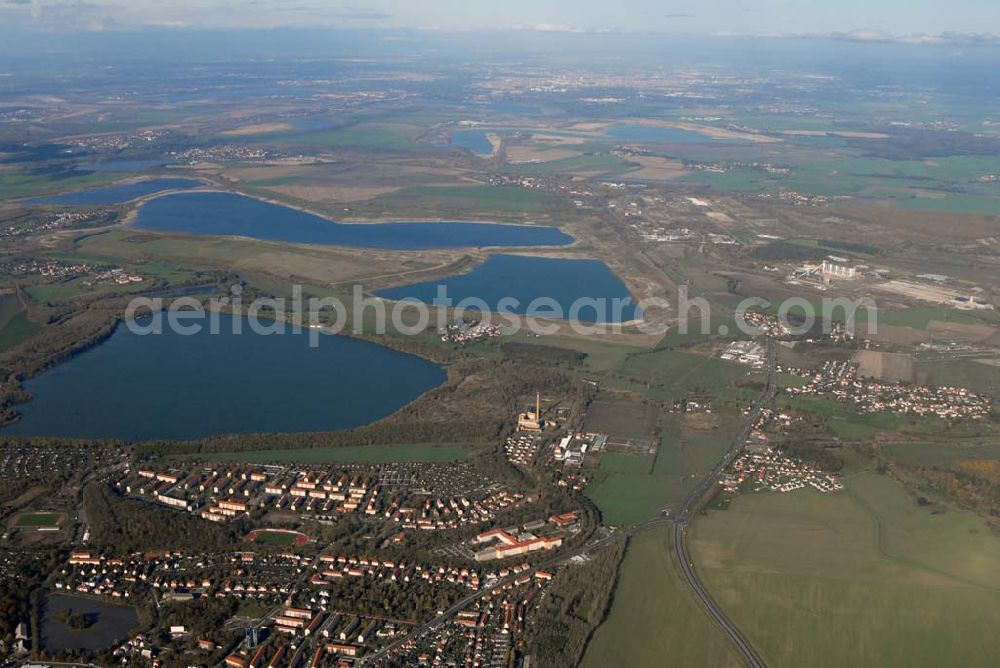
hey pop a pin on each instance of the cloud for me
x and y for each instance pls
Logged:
(680, 15)
(360, 14)
(17, 2)
(554, 27)
(348, 13)
(881, 37)
(74, 14)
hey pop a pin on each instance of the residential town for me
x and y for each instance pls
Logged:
(304, 599)
(226, 493)
(840, 380)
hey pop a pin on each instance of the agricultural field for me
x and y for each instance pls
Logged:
(621, 417)
(597, 165)
(654, 621)
(824, 580)
(977, 376)
(922, 317)
(372, 137)
(943, 454)
(670, 374)
(30, 184)
(945, 184)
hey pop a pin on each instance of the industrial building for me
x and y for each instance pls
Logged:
(532, 421)
(834, 269)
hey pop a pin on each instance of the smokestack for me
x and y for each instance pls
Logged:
(538, 406)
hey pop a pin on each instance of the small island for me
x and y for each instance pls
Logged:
(75, 620)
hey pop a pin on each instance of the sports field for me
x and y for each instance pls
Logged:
(38, 520)
(277, 537)
(823, 580)
(654, 621)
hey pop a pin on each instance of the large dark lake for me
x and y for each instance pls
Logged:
(172, 386)
(229, 214)
(115, 194)
(109, 623)
(524, 279)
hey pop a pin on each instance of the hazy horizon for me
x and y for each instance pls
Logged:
(879, 19)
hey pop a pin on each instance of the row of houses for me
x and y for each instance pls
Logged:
(434, 513)
(840, 380)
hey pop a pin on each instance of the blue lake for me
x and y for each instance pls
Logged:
(171, 386)
(229, 214)
(115, 194)
(473, 140)
(526, 278)
(653, 134)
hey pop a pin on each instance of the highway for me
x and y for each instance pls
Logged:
(743, 645)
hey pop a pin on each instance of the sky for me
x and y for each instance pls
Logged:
(861, 19)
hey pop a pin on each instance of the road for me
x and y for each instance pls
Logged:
(743, 645)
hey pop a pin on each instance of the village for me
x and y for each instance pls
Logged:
(761, 466)
(63, 270)
(760, 469)
(840, 380)
(464, 332)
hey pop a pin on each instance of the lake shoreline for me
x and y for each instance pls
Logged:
(232, 214)
(389, 354)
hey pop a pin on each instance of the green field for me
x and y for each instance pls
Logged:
(824, 580)
(15, 327)
(932, 454)
(962, 373)
(275, 537)
(843, 416)
(600, 355)
(919, 318)
(631, 488)
(851, 431)
(38, 520)
(597, 164)
(672, 374)
(363, 137)
(946, 184)
(468, 199)
(74, 287)
(654, 620)
(25, 184)
(361, 454)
